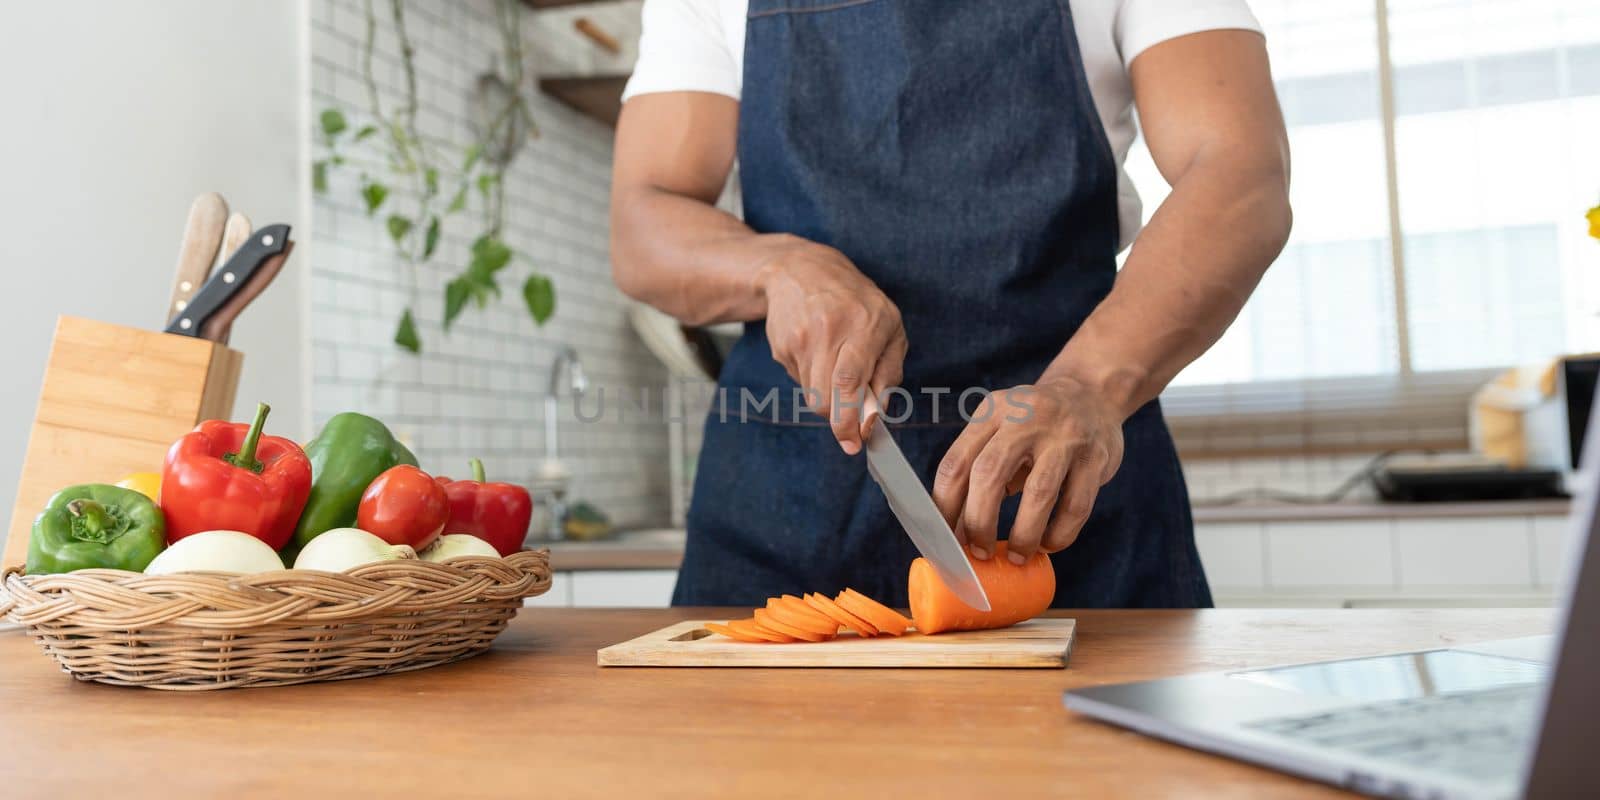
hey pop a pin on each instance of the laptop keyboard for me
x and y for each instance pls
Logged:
(1481, 735)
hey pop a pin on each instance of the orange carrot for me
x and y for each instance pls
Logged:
(826, 605)
(765, 620)
(1016, 593)
(749, 627)
(882, 617)
(791, 611)
(728, 631)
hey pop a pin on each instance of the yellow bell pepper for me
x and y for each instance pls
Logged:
(1594, 222)
(145, 483)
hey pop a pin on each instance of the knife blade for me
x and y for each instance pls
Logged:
(911, 504)
(201, 236)
(230, 279)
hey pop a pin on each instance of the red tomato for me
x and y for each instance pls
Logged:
(404, 505)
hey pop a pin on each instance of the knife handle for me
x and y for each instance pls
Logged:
(218, 326)
(870, 411)
(230, 278)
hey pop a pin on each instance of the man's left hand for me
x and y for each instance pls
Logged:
(1057, 442)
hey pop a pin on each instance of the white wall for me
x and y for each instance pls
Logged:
(115, 116)
(477, 391)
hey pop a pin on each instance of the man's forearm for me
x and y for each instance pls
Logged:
(1186, 279)
(688, 258)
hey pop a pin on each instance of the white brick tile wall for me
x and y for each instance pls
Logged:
(1490, 551)
(477, 390)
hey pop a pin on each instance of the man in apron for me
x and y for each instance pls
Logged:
(934, 202)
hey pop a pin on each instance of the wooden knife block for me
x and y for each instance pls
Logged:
(114, 399)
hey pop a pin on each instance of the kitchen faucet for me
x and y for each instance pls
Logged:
(550, 484)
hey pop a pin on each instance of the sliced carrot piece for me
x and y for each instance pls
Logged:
(826, 605)
(728, 631)
(801, 607)
(780, 612)
(882, 617)
(793, 611)
(750, 627)
(765, 620)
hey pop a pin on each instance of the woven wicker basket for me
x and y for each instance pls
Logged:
(198, 631)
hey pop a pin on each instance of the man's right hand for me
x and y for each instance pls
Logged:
(833, 329)
(830, 327)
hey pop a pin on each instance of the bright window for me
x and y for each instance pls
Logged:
(1496, 139)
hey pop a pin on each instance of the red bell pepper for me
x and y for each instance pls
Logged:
(227, 476)
(497, 513)
(403, 505)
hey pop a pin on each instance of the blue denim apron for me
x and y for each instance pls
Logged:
(952, 151)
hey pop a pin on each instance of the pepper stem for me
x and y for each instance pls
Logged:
(477, 470)
(246, 457)
(90, 521)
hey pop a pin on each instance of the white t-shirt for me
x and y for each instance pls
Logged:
(698, 46)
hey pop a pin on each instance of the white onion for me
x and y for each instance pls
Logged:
(216, 551)
(458, 544)
(345, 548)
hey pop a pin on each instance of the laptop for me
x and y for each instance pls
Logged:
(1516, 717)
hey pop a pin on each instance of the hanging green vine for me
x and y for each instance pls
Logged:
(391, 142)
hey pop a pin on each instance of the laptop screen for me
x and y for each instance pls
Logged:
(1400, 677)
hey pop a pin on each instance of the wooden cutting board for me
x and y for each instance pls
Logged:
(1039, 643)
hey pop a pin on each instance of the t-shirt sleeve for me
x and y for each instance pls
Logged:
(682, 48)
(1142, 23)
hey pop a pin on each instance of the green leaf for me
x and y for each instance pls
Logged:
(406, 334)
(430, 240)
(366, 130)
(489, 255)
(485, 183)
(540, 295)
(458, 202)
(474, 153)
(319, 176)
(333, 122)
(430, 178)
(374, 194)
(336, 160)
(456, 294)
(398, 227)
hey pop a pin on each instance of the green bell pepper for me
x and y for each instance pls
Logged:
(96, 525)
(346, 456)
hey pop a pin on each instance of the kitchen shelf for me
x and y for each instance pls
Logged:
(598, 96)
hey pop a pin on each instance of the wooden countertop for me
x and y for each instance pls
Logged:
(615, 554)
(536, 718)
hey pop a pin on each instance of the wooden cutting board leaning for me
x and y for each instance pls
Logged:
(1038, 643)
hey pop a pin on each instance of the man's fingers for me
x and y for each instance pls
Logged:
(1077, 499)
(1001, 457)
(885, 376)
(951, 479)
(845, 388)
(1040, 491)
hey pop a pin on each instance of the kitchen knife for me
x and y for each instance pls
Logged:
(231, 279)
(919, 516)
(201, 237)
(219, 326)
(234, 235)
